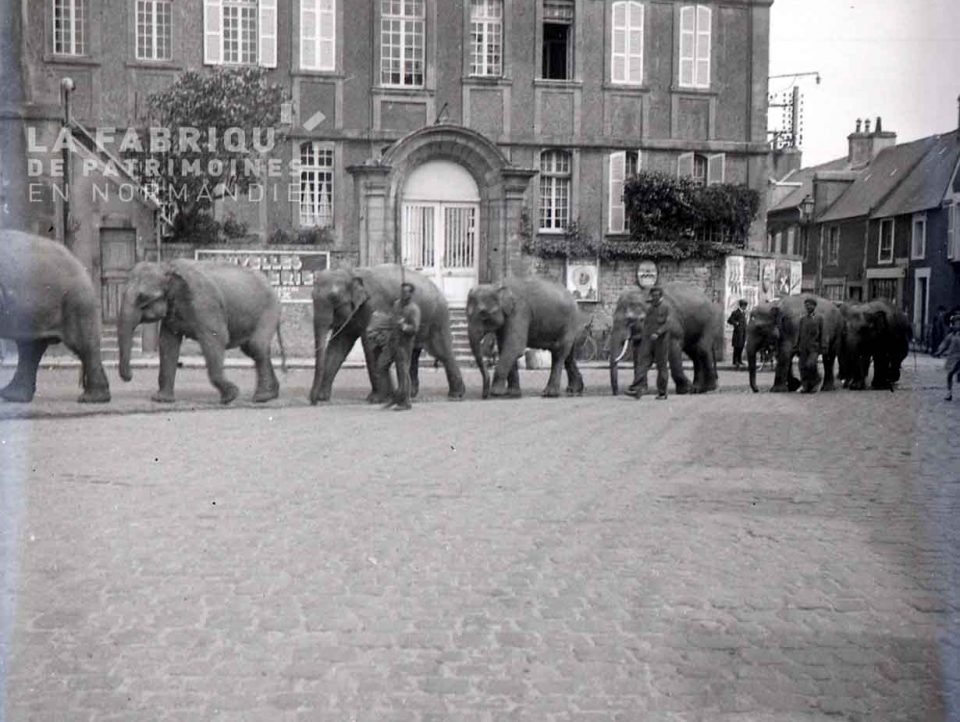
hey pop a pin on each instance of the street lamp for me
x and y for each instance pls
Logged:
(66, 87)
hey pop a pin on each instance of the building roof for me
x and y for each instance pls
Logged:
(875, 183)
(925, 186)
(804, 177)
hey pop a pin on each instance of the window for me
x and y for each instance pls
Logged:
(557, 61)
(885, 247)
(833, 245)
(788, 242)
(918, 242)
(555, 178)
(626, 62)
(833, 291)
(316, 184)
(402, 42)
(953, 231)
(69, 17)
(777, 241)
(486, 37)
(154, 30)
(623, 165)
(318, 34)
(704, 169)
(695, 29)
(885, 288)
(240, 32)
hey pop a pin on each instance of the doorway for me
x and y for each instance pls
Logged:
(921, 300)
(118, 254)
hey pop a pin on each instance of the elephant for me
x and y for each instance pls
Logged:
(777, 324)
(219, 305)
(344, 301)
(698, 331)
(525, 313)
(873, 331)
(46, 296)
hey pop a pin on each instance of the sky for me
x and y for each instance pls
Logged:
(897, 59)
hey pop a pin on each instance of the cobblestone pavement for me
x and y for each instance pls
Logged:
(731, 556)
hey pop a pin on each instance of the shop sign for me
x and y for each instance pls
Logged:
(289, 272)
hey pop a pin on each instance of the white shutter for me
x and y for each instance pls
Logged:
(309, 21)
(618, 57)
(327, 34)
(688, 31)
(953, 231)
(716, 168)
(685, 165)
(703, 47)
(635, 43)
(213, 32)
(618, 165)
(267, 27)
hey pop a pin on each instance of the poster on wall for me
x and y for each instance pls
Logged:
(768, 280)
(289, 272)
(733, 282)
(752, 294)
(583, 280)
(796, 277)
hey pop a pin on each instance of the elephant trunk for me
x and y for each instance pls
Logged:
(126, 325)
(752, 347)
(475, 335)
(322, 324)
(618, 335)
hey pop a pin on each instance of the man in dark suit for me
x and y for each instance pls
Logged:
(738, 319)
(809, 347)
(656, 328)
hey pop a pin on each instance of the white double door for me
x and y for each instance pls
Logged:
(440, 241)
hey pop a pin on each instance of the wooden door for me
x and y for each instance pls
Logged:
(118, 254)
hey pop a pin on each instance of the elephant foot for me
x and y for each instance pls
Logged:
(161, 397)
(793, 384)
(857, 386)
(828, 386)
(17, 394)
(507, 393)
(414, 390)
(402, 406)
(575, 389)
(319, 398)
(456, 394)
(780, 389)
(94, 396)
(265, 395)
(375, 397)
(228, 393)
(550, 393)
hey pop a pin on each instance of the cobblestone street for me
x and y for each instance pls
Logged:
(730, 556)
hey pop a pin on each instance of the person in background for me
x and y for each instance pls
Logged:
(738, 319)
(938, 328)
(951, 347)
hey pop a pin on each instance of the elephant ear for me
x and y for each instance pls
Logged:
(878, 321)
(508, 302)
(191, 296)
(358, 292)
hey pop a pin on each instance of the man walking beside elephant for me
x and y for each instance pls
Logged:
(809, 347)
(656, 327)
(393, 338)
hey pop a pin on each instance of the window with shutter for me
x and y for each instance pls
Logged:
(318, 34)
(623, 165)
(555, 182)
(685, 165)
(716, 168)
(885, 247)
(626, 61)
(695, 46)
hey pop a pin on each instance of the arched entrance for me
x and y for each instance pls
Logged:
(439, 224)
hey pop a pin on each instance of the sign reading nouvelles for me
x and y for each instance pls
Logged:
(290, 272)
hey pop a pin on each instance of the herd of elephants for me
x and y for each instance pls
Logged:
(46, 296)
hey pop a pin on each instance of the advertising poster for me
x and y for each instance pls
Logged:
(796, 277)
(733, 283)
(290, 272)
(768, 280)
(583, 280)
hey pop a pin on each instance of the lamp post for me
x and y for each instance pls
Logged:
(806, 211)
(66, 87)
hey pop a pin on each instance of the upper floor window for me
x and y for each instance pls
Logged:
(703, 169)
(318, 34)
(154, 30)
(240, 32)
(789, 242)
(555, 182)
(885, 246)
(402, 32)
(486, 37)
(557, 50)
(69, 17)
(623, 165)
(918, 242)
(626, 61)
(695, 31)
(316, 184)
(953, 230)
(833, 245)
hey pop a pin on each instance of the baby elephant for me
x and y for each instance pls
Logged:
(219, 305)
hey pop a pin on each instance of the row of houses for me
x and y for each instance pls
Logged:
(881, 222)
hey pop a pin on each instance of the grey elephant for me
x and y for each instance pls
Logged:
(777, 325)
(697, 332)
(873, 332)
(344, 300)
(525, 313)
(46, 296)
(219, 305)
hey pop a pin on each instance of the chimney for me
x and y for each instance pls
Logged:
(864, 145)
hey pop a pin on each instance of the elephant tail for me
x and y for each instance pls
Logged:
(283, 352)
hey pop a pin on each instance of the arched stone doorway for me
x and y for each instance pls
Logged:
(449, 184)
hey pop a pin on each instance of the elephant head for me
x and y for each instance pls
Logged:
(488, 308)
(150, 291)
(865, 332)
(338, 297)
(764, 330)
(628, 318)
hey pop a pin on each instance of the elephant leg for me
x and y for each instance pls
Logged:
(704, 362)
(510, 351)
(783, 378)
(441, 348)
(513, 381)
(23, 385)
(557, 359)
(675, 358)
(809, 375)
(574, 377)
(213, 350)
(415, 372)
(82, 336)
(169, 351)
(639, 382)
(383, 391)
(645, 357)
(829, 382)
(268, 387)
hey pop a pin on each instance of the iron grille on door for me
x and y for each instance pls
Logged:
(459, 237)
(419, 240)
